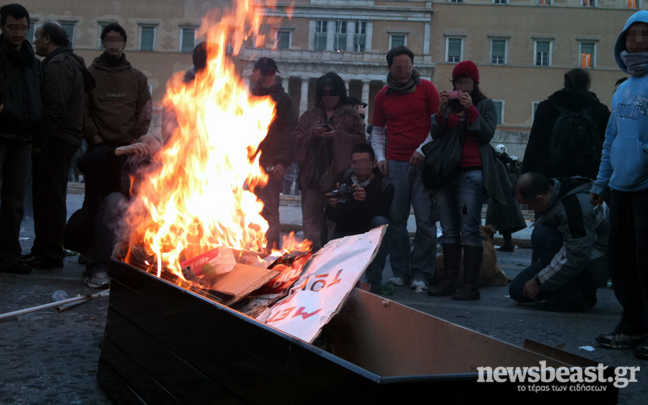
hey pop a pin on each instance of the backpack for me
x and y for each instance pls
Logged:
(575, 146)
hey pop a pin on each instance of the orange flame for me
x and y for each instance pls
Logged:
(201, 196)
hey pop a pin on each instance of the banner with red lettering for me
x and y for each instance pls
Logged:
(327, 279)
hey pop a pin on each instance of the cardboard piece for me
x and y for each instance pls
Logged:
(241, 281)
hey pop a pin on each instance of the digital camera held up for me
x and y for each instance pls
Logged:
(343, 194)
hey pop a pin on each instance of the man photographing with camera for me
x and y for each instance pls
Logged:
(360, 202)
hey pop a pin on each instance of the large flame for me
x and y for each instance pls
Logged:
(200, 195)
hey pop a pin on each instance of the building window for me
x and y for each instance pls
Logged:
(320, 35)
(147, 37)
(455, 1)
(68, 27)
(500, 1)
(454, 49)
(340, 38)
(360, 36)
(499, 106)
(498, 51)
(589, 3)
(283, 39)
(632, 3)
(542, 53)
(397, 40)
(187, 39)
(545, 2)
(587, 59)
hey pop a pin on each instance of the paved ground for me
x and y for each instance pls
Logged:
(51, 358)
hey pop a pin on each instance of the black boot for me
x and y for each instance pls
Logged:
(508, 243)
(469, 291)
(451, 260)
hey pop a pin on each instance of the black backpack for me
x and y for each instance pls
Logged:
(575, 146)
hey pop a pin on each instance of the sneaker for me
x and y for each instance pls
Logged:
(419, 285)
(641, 352)
(399, 281)
(617, 340)
(98, 280)
(18, 268)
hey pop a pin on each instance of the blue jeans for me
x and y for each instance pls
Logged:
(375, 268)
(15, 161)
(417, 264)
(460, 203)
(546, 243)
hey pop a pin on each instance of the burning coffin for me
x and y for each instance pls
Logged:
(166, 344)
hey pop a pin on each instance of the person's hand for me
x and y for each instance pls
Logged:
(465, 100)
(1, 107)
(382, 165)
(278, 172)
(332, 201)
(417, 159)
(359, 193)
(96, 139)
(531, 289)
(443, 102)
(596, 199)
(137, 149)
(325, 132)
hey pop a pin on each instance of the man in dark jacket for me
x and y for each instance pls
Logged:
(118, 113)
(361, 202)
(57, 141)
(278, 145)
(574, 97)
(21, 111)
(570, 238)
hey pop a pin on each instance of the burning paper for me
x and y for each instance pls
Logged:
(325, 283)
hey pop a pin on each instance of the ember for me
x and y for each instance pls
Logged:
(199, 196)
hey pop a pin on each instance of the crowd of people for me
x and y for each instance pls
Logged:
(584, 173)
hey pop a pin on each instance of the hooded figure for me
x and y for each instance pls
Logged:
(623, 182)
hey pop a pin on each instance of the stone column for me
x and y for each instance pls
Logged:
(330, 35)
(284, 83)
(346, 84)
(303, 101)
(369, 35)
(365, 96)
(350, 34)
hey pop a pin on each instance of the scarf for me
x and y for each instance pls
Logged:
(637, 63)
(406, 88)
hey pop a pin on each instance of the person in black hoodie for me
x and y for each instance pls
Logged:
(21, 111)
(575, 96)
(277, 147)
(56, 142)
(361, 202)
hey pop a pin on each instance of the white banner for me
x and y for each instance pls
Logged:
(327, 279)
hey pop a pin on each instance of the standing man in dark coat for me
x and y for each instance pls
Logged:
(574, 97)
(21, 111)
(277, 148)
(57, 141)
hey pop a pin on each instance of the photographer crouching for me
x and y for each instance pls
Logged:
(360, 202)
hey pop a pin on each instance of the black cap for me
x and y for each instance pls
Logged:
(266, 65)
(355, 101)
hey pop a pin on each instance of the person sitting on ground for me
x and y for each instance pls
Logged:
(570, 237)
(362, 202)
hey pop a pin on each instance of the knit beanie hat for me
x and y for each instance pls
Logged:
(466, 68)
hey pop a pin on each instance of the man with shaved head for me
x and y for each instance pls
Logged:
(570, 241)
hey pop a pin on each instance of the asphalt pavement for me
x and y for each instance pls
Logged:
(51, 358)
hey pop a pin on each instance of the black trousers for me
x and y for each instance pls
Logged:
(50, 171)
(628, 257)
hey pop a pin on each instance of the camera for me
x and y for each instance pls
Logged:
(343, 194)
(454, 94)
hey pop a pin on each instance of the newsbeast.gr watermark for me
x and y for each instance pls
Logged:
(543, 375)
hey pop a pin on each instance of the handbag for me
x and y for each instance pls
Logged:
(442, 156)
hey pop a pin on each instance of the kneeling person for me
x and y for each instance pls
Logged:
(361, 202)
(570, 240)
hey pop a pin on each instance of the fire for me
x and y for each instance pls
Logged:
(199, 194)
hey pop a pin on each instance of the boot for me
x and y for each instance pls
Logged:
(451, 260)
(469, 291)
(508, 243)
